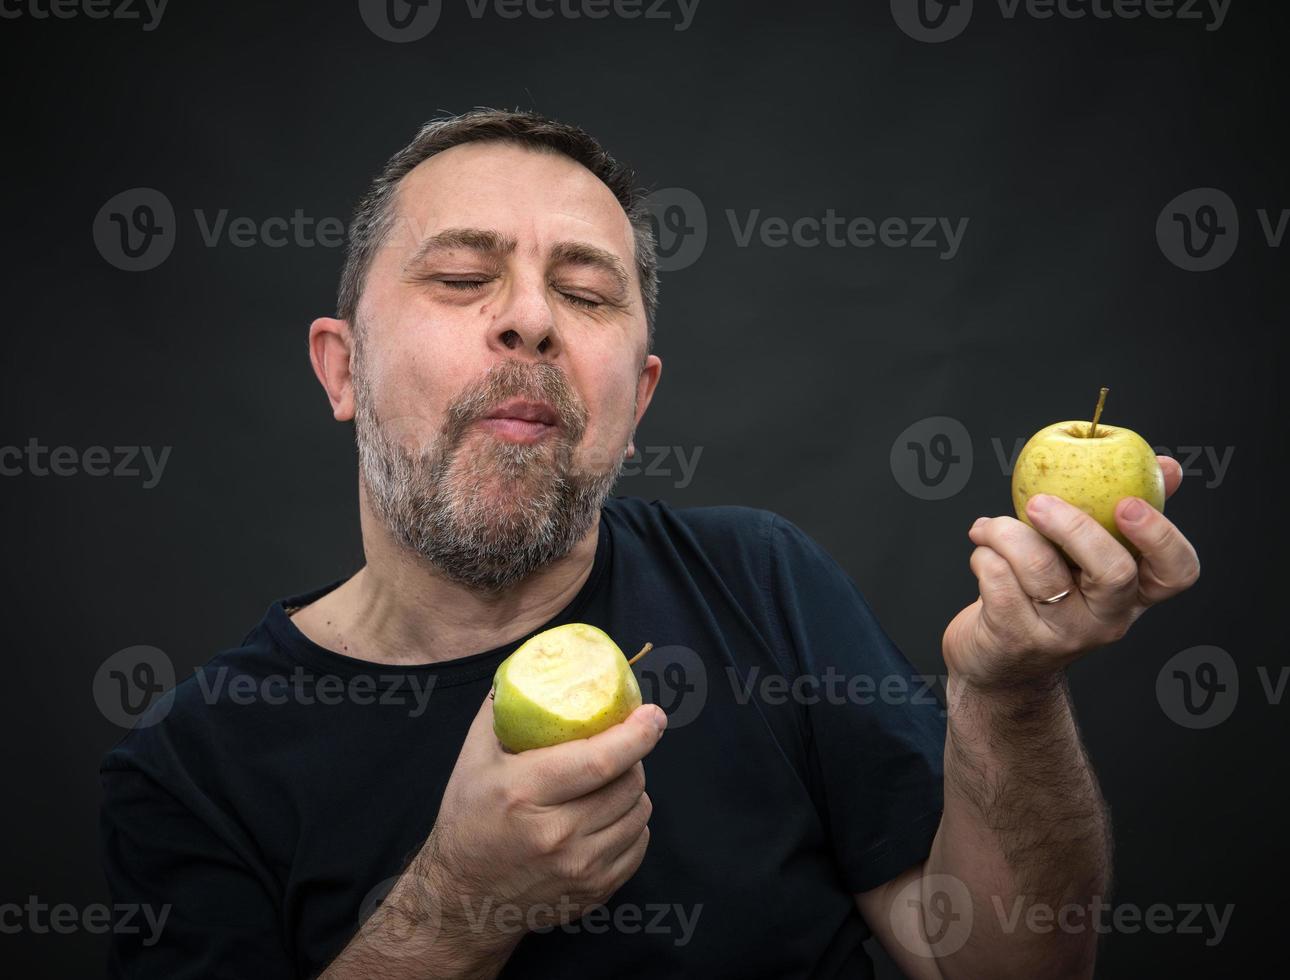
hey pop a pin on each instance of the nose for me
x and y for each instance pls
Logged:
(524, 323)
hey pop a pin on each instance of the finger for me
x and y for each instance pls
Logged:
(607, 805)
(565, 772)
(625, 865)
(1108, 576)
(481, 740)
(1038, 567)
(621, 835)
(1002, 598)
(1169, 562)
(1173, 473)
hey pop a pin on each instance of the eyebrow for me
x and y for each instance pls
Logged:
(479, 240)
(496, 245)
(592, 256)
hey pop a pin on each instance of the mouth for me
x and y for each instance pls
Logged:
(522, 421)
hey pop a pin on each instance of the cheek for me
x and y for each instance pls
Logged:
(611, 407)
(412, 388)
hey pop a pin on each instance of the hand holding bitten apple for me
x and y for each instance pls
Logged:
(1010, 637)
(537, 838)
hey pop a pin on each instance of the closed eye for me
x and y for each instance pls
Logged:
(581, 301)
(464, 285)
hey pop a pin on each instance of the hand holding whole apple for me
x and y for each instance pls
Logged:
(1091, 530)
(1091, 466)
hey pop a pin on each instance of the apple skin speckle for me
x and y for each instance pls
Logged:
(1093, 474)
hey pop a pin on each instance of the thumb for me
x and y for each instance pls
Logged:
(480, 738)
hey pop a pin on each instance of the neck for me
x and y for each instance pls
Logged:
(398, 609)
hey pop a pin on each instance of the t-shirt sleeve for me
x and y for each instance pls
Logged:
(195, 908)
(876, 727)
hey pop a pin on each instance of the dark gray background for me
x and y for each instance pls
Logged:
(791, 370)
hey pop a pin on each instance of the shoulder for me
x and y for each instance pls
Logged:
(723, 528)
(202, 715)
(752, 551)
(725, 531)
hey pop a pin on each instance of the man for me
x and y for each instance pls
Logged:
(493, 347)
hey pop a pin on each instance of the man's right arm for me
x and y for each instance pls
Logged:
(542, 837)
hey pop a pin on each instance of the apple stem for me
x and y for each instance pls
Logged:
(644, 650)
(1097, 412)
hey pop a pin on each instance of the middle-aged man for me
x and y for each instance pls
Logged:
(493, 347)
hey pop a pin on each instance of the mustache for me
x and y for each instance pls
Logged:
(512, 379)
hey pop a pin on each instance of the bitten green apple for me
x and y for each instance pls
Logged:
(1091, 466)
(567, 682)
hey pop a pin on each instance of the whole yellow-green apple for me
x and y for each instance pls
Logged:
(567, 682)
(1091, 465)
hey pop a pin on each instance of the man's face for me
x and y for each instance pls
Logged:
(502, 369)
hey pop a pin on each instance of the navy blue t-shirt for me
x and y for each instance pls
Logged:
(267, 799)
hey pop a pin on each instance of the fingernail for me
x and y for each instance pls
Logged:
(1040, 504)
(978, 522)
(659, 718)
(1134, 511)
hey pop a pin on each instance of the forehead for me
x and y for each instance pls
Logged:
(533, 196)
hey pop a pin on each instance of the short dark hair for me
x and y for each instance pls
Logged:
(375, 212)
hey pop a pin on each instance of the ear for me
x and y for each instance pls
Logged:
(645, 385)
(330, 347)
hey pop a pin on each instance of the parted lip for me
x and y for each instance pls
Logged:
(527, 411)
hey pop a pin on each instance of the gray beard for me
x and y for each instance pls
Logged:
(488, 517)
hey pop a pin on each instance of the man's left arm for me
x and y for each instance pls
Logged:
(1024, 834)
